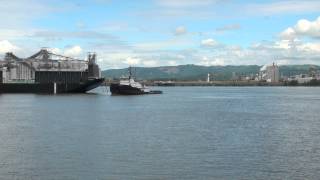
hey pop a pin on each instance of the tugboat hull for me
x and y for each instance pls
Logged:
(118, 89)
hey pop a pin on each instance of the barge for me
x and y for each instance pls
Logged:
(49, 73)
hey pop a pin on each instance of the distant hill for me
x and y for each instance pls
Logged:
(194, 72)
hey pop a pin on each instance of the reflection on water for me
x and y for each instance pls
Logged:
(185, 133)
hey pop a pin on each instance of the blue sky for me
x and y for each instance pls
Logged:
(165, 32)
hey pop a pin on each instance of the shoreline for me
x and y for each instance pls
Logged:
(218, 83)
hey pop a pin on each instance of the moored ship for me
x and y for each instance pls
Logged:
(46, 72)
(130, 87)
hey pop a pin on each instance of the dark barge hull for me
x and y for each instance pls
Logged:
(117, 89)
(48, 88)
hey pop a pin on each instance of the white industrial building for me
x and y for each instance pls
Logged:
(270, 73)
(301, 79)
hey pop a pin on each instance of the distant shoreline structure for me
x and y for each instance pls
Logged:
(218, 83)
(244, 75)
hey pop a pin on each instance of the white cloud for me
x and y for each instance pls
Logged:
(283, 7)
(180, 56)
(209, 43)
(289, 33)
(55, 50)
(229, 27)
(74, 34)
(181, 50)
(206, 61)
(73, 51)
(124, 57)
(183, 9)
(6, 46)
(162, 45)
(265, 52)
(81, 25)
(150, 63)
(20, 12)
(132, 61)
(303, 28)
(217, 9)
(181, 30)
(185, 3)
(14, 34)
(308, 28)
(310, 47)
(172, 63)
(283, 44)
(113, 59)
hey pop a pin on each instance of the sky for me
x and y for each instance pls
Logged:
(152, 33)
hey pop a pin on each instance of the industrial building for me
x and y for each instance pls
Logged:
(270, 73)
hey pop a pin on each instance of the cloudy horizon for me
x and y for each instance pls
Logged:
(165, 32)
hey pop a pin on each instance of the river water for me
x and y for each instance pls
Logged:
(185, 133)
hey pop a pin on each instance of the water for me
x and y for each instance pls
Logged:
(185, 133)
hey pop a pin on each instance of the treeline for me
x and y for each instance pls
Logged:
(195, 73)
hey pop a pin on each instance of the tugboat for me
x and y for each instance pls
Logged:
(130, 87)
